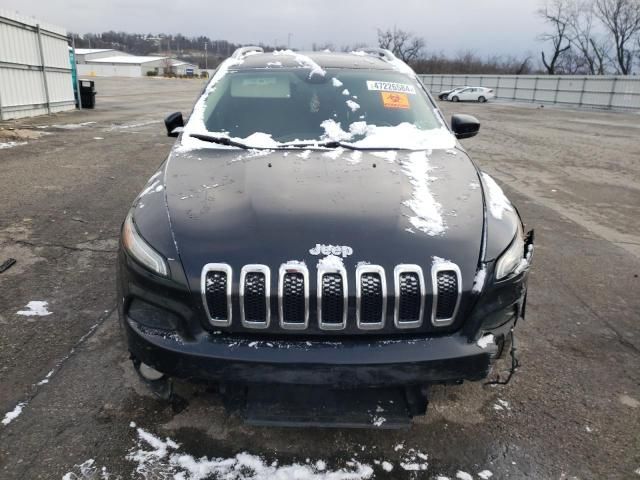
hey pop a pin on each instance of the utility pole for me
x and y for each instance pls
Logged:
(206, 56)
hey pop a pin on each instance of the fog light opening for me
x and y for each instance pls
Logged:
(149, 373)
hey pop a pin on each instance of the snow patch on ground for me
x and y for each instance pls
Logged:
(46, 378)
(72, 126)
(13, 414)
(427, 212)
(485, 474)
(501, 405)
(157, 458)
(463, 475)
(87, 471)
(497, 200)
(35, 308)
(11, 144)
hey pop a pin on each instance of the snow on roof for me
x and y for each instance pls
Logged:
(125, 59)
(85, 51)
(179, 63)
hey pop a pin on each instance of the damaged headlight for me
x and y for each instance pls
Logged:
(512, 259)
(141, 250)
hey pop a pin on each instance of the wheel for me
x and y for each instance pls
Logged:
(455, 99)
(481, 99)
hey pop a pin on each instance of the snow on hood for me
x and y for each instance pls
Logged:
(496, 199)
(427, 212)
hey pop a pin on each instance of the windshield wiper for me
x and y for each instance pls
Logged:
(220, 140)
(330, 144)
(337, 144)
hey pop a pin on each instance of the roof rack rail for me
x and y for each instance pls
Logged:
(379, 52)
(244, 51)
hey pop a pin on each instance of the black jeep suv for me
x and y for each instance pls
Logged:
(317, 226)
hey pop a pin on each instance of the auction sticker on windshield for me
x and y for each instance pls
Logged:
(395, 100)
(391, 87)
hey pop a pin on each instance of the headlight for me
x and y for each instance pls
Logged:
(141, 250)
(512, 258)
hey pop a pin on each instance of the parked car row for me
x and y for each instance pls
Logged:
(467, 94)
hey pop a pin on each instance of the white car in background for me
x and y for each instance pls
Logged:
(445, 93)
(471, 94)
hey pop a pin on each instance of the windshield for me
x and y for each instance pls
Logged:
(294, 105)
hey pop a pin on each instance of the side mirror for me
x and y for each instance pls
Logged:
(465, 126)
(174, 124)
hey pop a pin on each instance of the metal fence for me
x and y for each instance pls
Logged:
(595, 91)
(35, 70)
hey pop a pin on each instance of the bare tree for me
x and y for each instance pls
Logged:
(583, 37)
(622, 19)
(404, 45)
(555, 13)
(168, 69)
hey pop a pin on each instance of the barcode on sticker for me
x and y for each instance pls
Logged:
(390, 87)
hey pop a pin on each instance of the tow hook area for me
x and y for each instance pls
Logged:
(159, 384)
(314, 406)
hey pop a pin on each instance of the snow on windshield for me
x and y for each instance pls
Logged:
(390, 112)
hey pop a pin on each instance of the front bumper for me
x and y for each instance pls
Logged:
(347, 363)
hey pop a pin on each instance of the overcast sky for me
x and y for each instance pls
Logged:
(484, 26)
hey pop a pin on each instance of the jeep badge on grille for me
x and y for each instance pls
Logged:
(321, 249)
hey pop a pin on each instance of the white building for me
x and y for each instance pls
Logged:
(85, 54)
(112, 63)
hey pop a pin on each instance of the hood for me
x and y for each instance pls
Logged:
(270, 207)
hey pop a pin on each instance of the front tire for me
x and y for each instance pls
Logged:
(481, 99)
(455, 99)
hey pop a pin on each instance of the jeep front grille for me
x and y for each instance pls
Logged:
(293, 296)
(255, 284)
(332, 303)
(371, 297)
(410, 293)
(447, 289)
(332, 297)
(216, 293)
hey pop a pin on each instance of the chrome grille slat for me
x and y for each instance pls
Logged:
(332, 293)
(216, 281)
(366, 295)
(293, 295)
(255, 295)
(447, 281)
(409, 287)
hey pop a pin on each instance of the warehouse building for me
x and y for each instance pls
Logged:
(85, 54)
(113, 63)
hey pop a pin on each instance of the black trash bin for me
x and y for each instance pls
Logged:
(88, 93)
